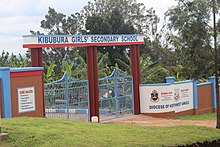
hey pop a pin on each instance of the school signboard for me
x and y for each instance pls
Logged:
(26, 99)
(162, 98)
(39, 41)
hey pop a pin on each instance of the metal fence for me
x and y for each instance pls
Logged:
(67, 98)
(115, 96)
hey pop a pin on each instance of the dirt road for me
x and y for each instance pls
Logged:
(143, 120)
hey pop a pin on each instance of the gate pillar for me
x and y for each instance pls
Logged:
(37, 61)
(92, 73)
(36, 57)
(136, 73)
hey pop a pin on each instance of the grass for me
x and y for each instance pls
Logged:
(44, 132)
(209, 116)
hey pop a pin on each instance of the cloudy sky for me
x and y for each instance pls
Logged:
(18, 17)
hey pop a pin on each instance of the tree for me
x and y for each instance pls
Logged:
(98, 17)
(97, 25)
(13, 61)
(113, 24)
(152, 72)
(192, 38)
(58, 23)
(125, 17)
(4, 58)
(68, 68)
(49, 75)
(134, 13)
(18, 61)
(196, 34)
(216, 62)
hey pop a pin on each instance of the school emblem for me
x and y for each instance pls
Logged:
(154, 96)
(176, 94)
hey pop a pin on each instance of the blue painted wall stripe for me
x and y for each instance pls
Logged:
(6, 92)
(26, 69)
(159, 84)
(212, 80)
(203, 84)
(183, 82)
(195, 94)
(170, 80)
(77, 111)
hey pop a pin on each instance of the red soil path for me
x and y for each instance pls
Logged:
(143, 120)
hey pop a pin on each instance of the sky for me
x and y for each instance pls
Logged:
(18, 17)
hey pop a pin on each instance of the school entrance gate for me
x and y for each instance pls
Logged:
(115, 96)
(37, 42)
(69, 98)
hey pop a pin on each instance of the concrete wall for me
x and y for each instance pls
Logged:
(204, 99)
(22, 79)
(15, 79)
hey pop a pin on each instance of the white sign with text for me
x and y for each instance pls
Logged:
(166, 98)
(33, 41)
(26, 99)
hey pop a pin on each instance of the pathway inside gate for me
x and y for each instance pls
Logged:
(69, 98)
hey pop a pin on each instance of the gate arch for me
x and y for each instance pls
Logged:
(37, 42)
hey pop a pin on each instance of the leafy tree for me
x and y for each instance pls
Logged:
(13, 61)
(154, 47)
(192, 38)
(124, 17)
(80, 71)
(152, 72)
(58, 23)
(49, 76)
(97, 25)
(133, 12)
(66, 67)
(98, 17)
(113, 24)
(18, 61)
(4, 58)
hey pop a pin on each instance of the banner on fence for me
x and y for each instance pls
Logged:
(166, 98)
